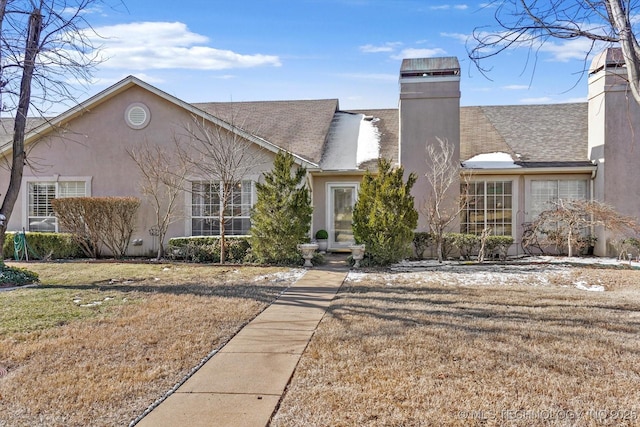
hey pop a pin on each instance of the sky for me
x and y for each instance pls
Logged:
(255, 50)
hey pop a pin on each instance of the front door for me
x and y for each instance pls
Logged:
(342, 199)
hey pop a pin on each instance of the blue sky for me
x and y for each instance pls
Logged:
(248, 50)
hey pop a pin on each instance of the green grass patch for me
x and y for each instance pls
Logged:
(34, 309)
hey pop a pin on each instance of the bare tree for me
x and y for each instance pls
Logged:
(43, 43)
(443, 206)
(569, 222)
(531, 23)
(163, 175)
(225, 156)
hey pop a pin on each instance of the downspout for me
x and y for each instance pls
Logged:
(592, 181)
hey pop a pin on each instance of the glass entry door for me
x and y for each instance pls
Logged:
(342, 199)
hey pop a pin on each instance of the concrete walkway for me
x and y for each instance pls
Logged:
(242, 384)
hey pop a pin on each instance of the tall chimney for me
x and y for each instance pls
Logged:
(614, 138)
(429, 109)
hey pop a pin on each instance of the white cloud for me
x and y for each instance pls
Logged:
(515, 87)
(568, 50)
(449, 6)
(457, 36)
(419, 53)
(165, 45)
(386, 47)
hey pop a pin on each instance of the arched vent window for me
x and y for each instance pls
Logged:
(137, 116)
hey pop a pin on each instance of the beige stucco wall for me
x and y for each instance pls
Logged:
(429, 109)
(94, 146)
(614, 144)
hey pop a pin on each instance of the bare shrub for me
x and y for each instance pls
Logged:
(98, 221)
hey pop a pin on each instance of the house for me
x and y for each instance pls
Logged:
(521, 157)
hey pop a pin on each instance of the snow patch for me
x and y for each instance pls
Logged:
(495, 160)
(353, 139)
(368, 140)
(584, 286)
(286, 276)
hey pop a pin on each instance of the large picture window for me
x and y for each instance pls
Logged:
(545, 194)
(206, 205)
(488, 204)
(40, 194)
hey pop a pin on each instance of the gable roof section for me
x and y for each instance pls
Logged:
(300, 127)
(540, 133)
(535, 136)
(478, 135)
(128, 82)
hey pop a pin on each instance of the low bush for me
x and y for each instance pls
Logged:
(207, 249)
(499, 245)
(16, 276)
(421, 241)
(44, 246)
(467, 244)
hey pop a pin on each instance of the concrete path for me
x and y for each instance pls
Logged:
(242, 384)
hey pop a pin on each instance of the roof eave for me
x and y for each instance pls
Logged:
(125, 84)
(556, 170)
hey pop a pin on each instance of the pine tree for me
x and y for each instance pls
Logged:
(384, 216)
(281, 217)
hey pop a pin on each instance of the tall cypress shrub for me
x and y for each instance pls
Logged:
(281, 217)
(384, 216)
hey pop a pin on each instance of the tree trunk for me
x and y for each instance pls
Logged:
(224, 201)
(439, 247)
(19, 157)
(628, 44)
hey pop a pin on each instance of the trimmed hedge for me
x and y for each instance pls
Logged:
(207, 249)
(45, 246)
(465, 245)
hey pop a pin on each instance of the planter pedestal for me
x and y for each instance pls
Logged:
(307, 250)
(357, 253)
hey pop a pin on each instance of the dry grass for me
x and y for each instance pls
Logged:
(425, 349)
(74, 362)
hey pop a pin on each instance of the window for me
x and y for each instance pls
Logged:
(41, 216)
(488, 204)
(205, 209)
(546, 193)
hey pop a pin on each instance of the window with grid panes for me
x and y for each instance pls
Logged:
(206, 205)
(488, 204)
(40, 194)
(545, 194)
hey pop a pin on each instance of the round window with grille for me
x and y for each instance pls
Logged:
(137, 116)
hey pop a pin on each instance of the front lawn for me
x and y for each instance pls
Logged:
(97, 343)
(485, 345)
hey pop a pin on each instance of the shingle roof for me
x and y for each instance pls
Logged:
(540, 133)
(6, 127)
(297, 126)
(388, 125)
(543, 135)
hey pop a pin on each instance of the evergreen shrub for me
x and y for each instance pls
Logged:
(45, 246)
(384, 216)
(16, 276)
(207, 249)
(281, 217)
